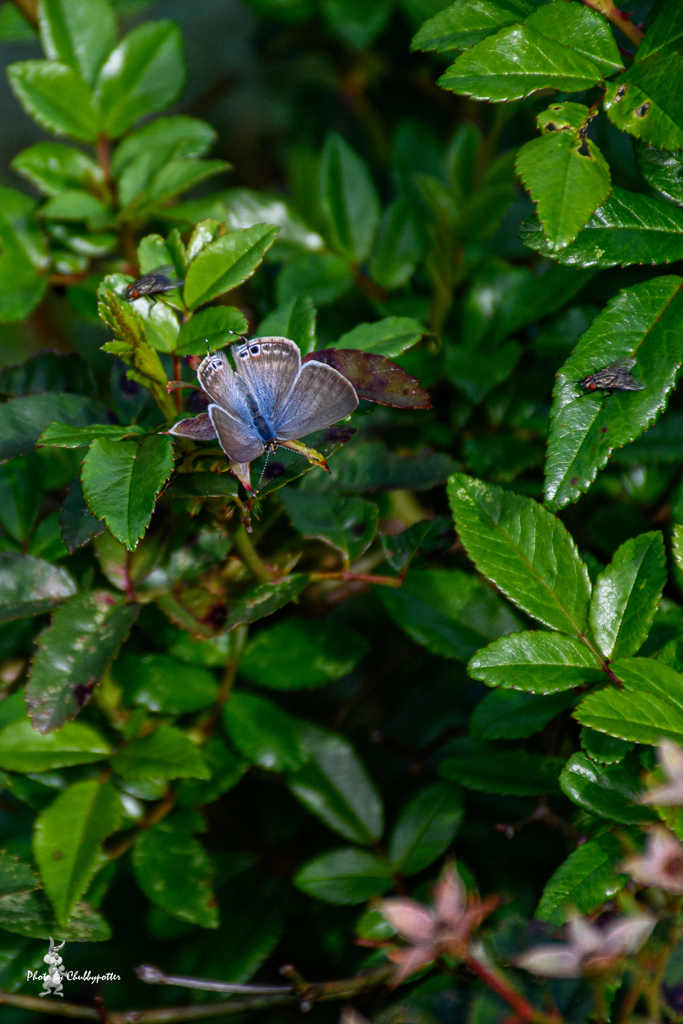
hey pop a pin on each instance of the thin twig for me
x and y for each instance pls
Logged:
(153, 976)
(250, 555)
(522, 1007)
(159, 811)
(618, 18)
(356, 577)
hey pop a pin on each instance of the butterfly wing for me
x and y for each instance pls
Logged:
(231, 412)
(319, 397)
(218, 379)
(269, 366)
(238, 438)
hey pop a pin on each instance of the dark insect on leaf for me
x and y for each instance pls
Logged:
(152, 284)
(615, 377)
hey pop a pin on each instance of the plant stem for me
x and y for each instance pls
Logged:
(618, 18)
(29, 8)
(159, 811)
(177, 372)
(524, 1009)
(153, 976)
(356, 577)
(250, 555)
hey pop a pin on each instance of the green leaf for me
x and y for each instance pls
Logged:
(610, 792)
(646, 102)
(345, 876)
(467, 22)
(636, 716)
(169, 181)
(22, 749)
(664, 29)
(370, 466)
(628, 228)
(398, 246)
(568, 178)
(162, 684)
(226, 771)
(662, 169)
(509, 715)
(51, 167)
(516, 62)
(174, 872)
(349, 199)
(583, 882)
(63, 435)
(218, 325)
(22, 420)
(290, 465)
(31, 586)
(651, 676)
(449, 612)
(583, 29)
(347, 524)
(73, 654)
(76, 523)
(226, 263)
(605, 749)
(296, 320)
(335, 786)
(56, 97)
(476, 376)
(265, 599)
(389, 337)
(79, 33)
(166, 753)
(644, 321)
(146, 150)
(626, 595)
(525, 550)
(400, 548)
(144, 74)
(425, 828)
(67, 840)
(263, 733)
(292, 656)
(538, 662)
(514, 772)
(21, 493)
(31, 914)
(324, 276)
(122, 480)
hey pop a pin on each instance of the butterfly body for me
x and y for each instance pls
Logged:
(152, 284)
(615, 377)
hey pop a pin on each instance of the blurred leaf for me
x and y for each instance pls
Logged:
(56, 97)
(166, 753)
(296, 320)
(448, 611)
(644, 321)
(389, 337)
(345, 876)
(664, 29)
(323, 276)
(31, 586)
(538, 662)
(425, 828)
(586, 880)
(79, 33)
(175, 873)
(375, 378)
(169, 181)
(63, 435)
(357, 22)
(612, 792)
(335, 786)
(524, 550)
(245, 207)
(67, 839)
(475, 375)
(626, 595)
(293, 656)
(263, 733)
(369, 466)
(400, 548)
(122, 480)
(218, 325)
(605, 749)
(645, 101)
(195, 485)
(73, 655)
(21, 494)
(47, 371)
(76, 523)
(145, 151)
(22, 749)
(15, 877)
(226, 771)
(398, 246)
(142, 75)
(513, 772)
(349, 199)
(22, 420)
(14, 28)
(265, 599)
(31, 914)
(162, 684)
(347, 524)
(662, 169)
(467, 22)
(51, 167)
(502, 457)
(226, 263)
(510, 715)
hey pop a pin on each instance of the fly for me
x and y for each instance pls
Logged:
(152, 284)
(615, 377)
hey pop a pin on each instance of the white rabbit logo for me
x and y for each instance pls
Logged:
(53, 981)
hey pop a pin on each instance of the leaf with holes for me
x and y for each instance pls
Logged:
(646, 101)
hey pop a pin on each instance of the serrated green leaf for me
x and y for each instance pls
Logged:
(294, 319)
(292, 656)
(73, 655)
(516, 62)
(515, 772)
(174, 872)
(263, 733)
(167, 753)
(76, 524)
(142, 75)
(636, 716)
(31, 586)
(389, 337)
(348, 198)
(585, 30)
(568, 178)
(335, 786)
(467, 22)
(122, 480)
(400, 548)
(510, 539)
(67, 839)
(602, 748)
(646, 101)
(538, 662)
(162, 684)
(628, 228)
(610, 792)
(226, 263)
(347, 524)
(56, 97)
(449, 612)
(79, 33)
(345, 876)
(52, 166)
(643, 321)
(664, 29)
(583, 882)
(626, 595)
(399, 244)
(31, 914)
(425, 828)
(265, 599)
(62, 435)
(662, 169)
(22, 749)
(509, 715)
(15, 877)
(218, 325)
(226, 771)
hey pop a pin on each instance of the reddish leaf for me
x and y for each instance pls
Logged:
(375, 378)
(198, 428)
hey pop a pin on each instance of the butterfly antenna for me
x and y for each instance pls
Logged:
(263, 471)
(208, 349)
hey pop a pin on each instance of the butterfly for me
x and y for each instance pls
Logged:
(615, 377)
(270, 396)
(152, 284)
